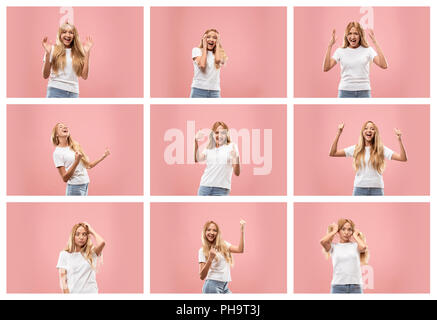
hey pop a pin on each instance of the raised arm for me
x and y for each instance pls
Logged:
(219, 56)
(403, 155)
(235, 161)
(327, 239)
(362, 247)
(90, 165)
(99, 241)
(87, 48)
(334, 152)
(198, 157)
(47, 66)
(204, 266)
(329, 62)
(379, 60)
(66, 175)
(240, 248)
(201, 60)
(63, 280)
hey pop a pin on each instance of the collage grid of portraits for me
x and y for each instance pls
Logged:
(290, 199)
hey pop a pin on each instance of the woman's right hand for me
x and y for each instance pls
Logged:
(341, 127)
(78, 156)
(332, 41)
(334, 227)
(212, 253)
(200, 135)
(46, 45)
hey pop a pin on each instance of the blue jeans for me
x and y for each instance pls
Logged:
(59, 93)
(212, 191)
(214, 286)
(354, 94)
(202, 93)
(77, 189)
(346, 288)
(358, 191)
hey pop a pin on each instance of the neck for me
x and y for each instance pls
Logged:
(344, 241)
(63, 142)
(367, 143)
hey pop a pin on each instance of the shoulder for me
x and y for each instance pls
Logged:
(196, 50)
(64, 254)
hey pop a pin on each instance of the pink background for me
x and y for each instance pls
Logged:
(403, 34)
(184, 179)
(30, 167)
(116, 59)
(262, 268)
(315, 127)
(254, 39)
(397, 236)
(38, 232)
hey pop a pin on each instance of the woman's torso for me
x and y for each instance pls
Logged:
(64, 156)
(346, 263)
(65, 79)
(209, 79)
(220, 269)
(81, 276)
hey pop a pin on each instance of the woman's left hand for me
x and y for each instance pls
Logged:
(398, 133)
(356, 233)
(107, 153)
(372, 35)
(242, 224)
(88, 44)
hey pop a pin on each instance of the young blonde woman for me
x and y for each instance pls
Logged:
(208, 58)
(347, 256)
(355, 57)
(215, 258)
(65, 62)
(369, 158)
(78, 262)
(71, 161)
(222, 160)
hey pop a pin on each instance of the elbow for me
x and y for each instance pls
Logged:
(202, 277)
(331, 154)
(237, 173)
(65, 179)
(84, 76)
(45, 76)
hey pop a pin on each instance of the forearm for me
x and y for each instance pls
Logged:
(47, 66)
(202, 62)
(86, 66)
(403, 154)
(236, 166)
(241, 244)
(327, 239)
(382, 60)
(327, 61)
(361, 244)
(63, 281)
(196, 151)
(219, 56)
(205, 269)
(334, 146)
(96, 162)
(70, 171)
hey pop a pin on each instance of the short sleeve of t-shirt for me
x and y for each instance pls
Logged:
(336, 55)
(372, 53)
(62, 260)
(388, 153)
(349, 151)
(58, 159)
(196, 52)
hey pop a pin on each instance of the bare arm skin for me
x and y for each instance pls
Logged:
(403, 155)
(329, 62)
(198, 157)
(327, 239)
(235, 161)
(362, 247)
(204, 267)
(201, 60)
(87, 48)
(334, 152)
(379, 60)
(240, 248)
(63, 280)
(66, 175)
(90, 165)
(47, 66)
(100, 242)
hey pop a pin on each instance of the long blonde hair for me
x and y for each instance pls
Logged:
(361, 32)
(74, 145)
(225, 57)
(364, 256)
(87, 249)
(211, 142)
(376, 160)
(218, 244)
(59, 51)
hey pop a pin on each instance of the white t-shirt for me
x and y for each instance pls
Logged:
(218, 171)
(220, 269)
(367, 176)
(209, 79)
(346, 263)
(64, 157)
(81, 277)
(65, 79)
(355, 67)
